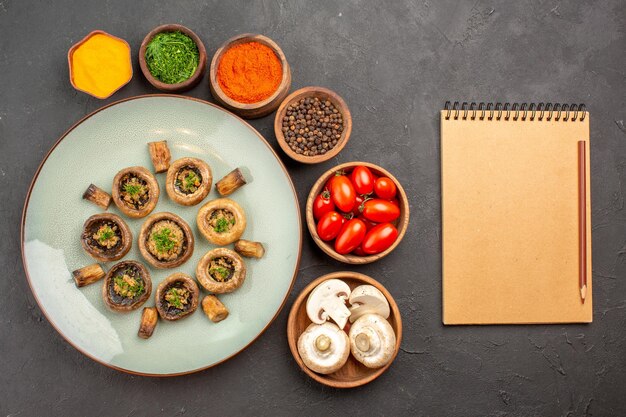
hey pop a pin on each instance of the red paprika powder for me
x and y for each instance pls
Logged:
(249, 72)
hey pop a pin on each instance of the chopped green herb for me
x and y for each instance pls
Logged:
(176, 297)
(222, 224)
(190, 180)
(163, 240)
(128, 286)
(133, 189)
(219, 273)
(106, 233)
(172, 57)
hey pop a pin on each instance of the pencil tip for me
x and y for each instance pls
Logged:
(583, 292)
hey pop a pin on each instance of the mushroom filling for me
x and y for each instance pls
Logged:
(188, 179)
(177, 298)
(134, 191)
(166, 240)
(105, 235)
(222, 220)
(126, 286)
(221, 269)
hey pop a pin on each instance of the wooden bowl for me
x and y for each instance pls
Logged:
(188, 83)
(70, 57)
(323, 94)
(353, 373)
(250, 110)
(401, 223)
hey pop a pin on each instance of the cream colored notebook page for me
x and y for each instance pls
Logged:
(510, 244)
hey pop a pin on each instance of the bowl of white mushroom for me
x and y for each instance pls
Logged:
(344, 329)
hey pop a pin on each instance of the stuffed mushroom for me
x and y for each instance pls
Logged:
(106, 237)
(221, 271)
(188, 181)
(127, 286)
(221, 221)
(177, 297)
(165, 240)
(135, 191)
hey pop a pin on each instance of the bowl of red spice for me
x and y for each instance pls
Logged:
(250, 75)
(313, 125)
(172, 58)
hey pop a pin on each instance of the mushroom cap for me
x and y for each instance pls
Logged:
(372, 340)
(367, 299)
(327, 300)
(209, 233)
(203, 190)
(333, 357)
(150, 180)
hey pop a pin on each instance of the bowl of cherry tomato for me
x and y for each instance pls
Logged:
(357, 212)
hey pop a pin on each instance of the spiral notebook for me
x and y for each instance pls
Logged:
(516, 214)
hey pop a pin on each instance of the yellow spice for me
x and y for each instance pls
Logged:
(101, 65)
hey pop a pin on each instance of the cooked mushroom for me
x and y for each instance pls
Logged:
(135, 191)
(88, 275)
(324, 348)
(160, 155)
(372, 341)
(215, 310)
(149, 319)
(221, 221)
(127, 286)
(221, 270)
(177, 297)
(367, 299)
(97, 196)
(249, 249)
(328, 300)
(231, 182)
(106, 237)
(188, 181)
(165, 240)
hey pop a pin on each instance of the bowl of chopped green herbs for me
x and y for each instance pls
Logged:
(172, 58)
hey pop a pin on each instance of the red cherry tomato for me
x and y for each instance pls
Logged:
(342, 193)
(380, 211)
(385, 188)
(395, 202)
(362, 179)
(368, 224)
(350, 236)
(322, 205)
(359, 252)
(329, 225)
(357, 204)
(379, 238)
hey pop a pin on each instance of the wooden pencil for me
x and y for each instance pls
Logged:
(582, 220)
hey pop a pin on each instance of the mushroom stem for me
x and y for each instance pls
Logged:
(215, 310)
(249, 249)
(149, 319)
(160, 155)
(231, 182)
(97, 196)
(88, 274)
(322, 343)
(362, 341)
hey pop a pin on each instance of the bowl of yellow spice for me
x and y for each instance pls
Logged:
(249, 75)
(100, 64)
(172, 58)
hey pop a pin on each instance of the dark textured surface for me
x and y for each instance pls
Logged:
(395, 64)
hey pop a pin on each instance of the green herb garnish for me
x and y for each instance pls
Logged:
(106, 233)
(133, 189)
(222, 224)
(128, 286)
(219, 273)
(163, 241)
(176, 297)
(190, 180)
(172, 57)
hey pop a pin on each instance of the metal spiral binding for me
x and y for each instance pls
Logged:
(530, 111)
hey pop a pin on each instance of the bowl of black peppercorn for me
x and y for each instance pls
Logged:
(312, 125)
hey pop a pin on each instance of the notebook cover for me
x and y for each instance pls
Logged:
(510, 221)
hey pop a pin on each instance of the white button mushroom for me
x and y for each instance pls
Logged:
(324, 348)
(367, 299)
(328, 300)
(372, 340)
